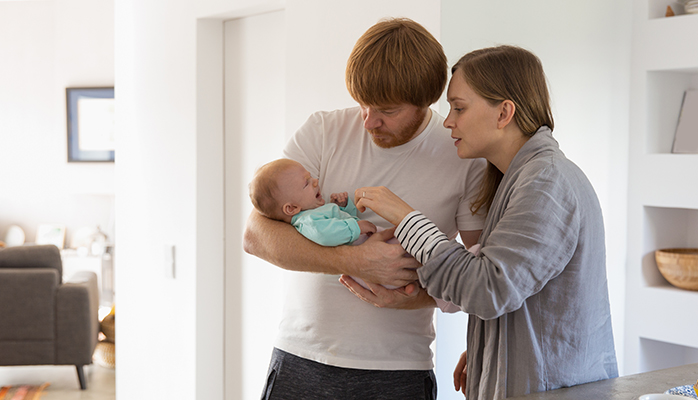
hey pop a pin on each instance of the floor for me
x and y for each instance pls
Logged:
(63, 381)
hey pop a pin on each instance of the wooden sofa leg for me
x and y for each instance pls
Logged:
(81, 377)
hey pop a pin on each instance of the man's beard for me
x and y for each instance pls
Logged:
(405, 134)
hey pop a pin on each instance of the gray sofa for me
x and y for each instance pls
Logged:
(44, 321)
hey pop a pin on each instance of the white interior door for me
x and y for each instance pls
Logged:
(254, 134)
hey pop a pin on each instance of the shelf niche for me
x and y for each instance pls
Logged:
(657, 8)
(665, 90)
(659, 355)
(666, 228)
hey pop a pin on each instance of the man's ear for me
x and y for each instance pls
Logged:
(507, 109)
(290, 209)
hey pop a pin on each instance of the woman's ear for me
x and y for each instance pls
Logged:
(507, 109)
(290, 209)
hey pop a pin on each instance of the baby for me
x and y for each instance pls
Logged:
(283, 190)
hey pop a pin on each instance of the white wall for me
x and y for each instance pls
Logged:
(164, 103)
(47, 46)
(169, 172)
(321, 35)
(169, 180)
(585, 50)
(255, 110)
(171, 328)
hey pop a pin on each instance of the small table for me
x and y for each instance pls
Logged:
(628, 387)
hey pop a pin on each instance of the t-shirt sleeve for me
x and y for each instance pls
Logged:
(305, 146)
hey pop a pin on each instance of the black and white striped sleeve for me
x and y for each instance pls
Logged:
(419, 236)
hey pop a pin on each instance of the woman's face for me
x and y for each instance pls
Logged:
(472, 120)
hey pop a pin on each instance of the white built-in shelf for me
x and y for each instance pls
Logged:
(665, 180)
(665, 90)
(661, 354)
(656, 9)
(670, 320)
(669, 227)
(668, 44)
(661, 330)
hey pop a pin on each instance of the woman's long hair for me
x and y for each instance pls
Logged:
(507, 73)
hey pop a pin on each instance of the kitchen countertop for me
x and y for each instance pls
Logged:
(625, 387)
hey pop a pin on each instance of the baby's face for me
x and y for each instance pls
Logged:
(300, 189)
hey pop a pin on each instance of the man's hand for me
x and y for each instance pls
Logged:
(379, 262)
(367, 227)
(340, 199)
(410, 297)
(460, 373)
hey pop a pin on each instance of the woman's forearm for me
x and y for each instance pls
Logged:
(383, 202)
(419, 236)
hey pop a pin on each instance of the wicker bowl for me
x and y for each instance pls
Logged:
(104, 354)
(107, 327)
(679, 267)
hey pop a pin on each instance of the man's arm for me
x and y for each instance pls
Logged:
(280, 244)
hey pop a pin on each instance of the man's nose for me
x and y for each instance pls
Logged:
(371, 119)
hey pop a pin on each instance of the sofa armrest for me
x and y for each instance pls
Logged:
(27, 303)
(77, 322)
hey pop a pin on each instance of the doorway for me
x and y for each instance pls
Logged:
(254, 81)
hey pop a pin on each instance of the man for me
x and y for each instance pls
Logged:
(331, 344)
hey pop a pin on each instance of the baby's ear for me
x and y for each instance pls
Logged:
(291, 209)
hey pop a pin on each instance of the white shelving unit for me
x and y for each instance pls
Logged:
(661, 321)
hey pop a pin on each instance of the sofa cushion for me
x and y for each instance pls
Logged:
(28, 304)
(27, 352)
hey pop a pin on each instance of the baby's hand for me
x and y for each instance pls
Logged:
(339, 199)
(367, 227)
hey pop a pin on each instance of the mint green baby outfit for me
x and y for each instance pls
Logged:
(329, 225)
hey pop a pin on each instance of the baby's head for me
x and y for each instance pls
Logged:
(283, 188)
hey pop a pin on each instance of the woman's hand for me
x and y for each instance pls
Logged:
(460, 374)
(383, 202)
(410, 297)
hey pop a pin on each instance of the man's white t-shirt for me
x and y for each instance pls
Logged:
(322, 320)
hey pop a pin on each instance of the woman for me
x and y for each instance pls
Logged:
(537, 293)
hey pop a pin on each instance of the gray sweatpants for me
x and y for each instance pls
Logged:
(295, 378)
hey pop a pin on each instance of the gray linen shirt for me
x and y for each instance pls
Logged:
(537, 295)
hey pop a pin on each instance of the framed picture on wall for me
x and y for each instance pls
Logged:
(686, 138)
(51, 234)
(90, 124)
